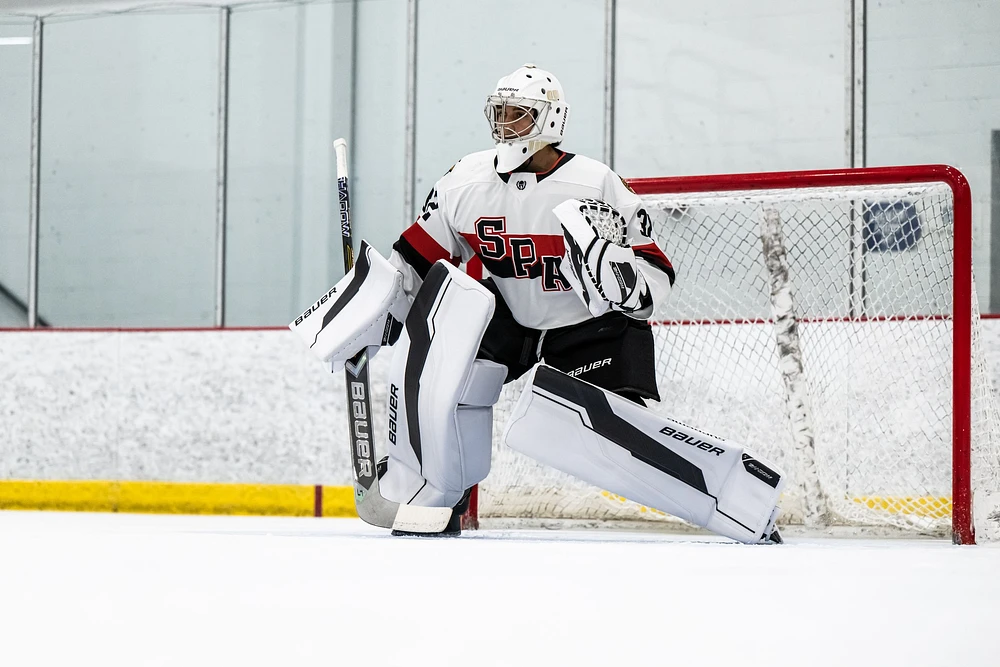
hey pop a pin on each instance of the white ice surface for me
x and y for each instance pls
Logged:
(93, 589)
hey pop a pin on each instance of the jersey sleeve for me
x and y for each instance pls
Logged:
(650, 258)
(430, 238)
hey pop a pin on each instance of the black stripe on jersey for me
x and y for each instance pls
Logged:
(504, 267)
(419, 263)
(656, 259)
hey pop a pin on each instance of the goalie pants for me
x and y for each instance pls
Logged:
(614, 351)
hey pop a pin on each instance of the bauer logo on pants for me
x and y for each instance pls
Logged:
(589, 367)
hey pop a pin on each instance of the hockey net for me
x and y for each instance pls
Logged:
(829, 322)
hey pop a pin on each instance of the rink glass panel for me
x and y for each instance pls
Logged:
(281, 248)
(729, 86)
(128, 167)
(15, 173)
(933, 94)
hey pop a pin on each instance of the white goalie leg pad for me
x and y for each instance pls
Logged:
(440, 396)
(618, 445)
(364, 310)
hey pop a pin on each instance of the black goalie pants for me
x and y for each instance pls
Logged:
(614, 351)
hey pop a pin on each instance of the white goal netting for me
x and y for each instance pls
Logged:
(814, 326)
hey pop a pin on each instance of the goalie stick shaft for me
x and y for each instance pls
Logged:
(370, 504)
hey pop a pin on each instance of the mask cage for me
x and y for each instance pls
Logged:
(501, 106)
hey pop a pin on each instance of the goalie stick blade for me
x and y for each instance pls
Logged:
(413, 519)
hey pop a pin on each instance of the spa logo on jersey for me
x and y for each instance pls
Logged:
(523, 256)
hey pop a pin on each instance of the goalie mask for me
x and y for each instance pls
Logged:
(527, 112)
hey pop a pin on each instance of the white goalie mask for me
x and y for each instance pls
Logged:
(527, 112)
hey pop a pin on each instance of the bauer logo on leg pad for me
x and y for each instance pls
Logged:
(692, 440)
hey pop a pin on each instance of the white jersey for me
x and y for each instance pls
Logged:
(506, 220)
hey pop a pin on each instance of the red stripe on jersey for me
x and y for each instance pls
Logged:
(474, 267)
(546, 245)
(652, 251)
(549, 244)
(425, 244)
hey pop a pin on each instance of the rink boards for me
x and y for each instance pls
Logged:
(228, 407)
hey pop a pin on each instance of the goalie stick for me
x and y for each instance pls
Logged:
(371, 506)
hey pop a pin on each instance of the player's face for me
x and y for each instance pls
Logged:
(514, 122)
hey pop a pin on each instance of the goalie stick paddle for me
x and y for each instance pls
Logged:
(370, 504)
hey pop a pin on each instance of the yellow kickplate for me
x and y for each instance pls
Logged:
(177, 498)
(936, 507)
